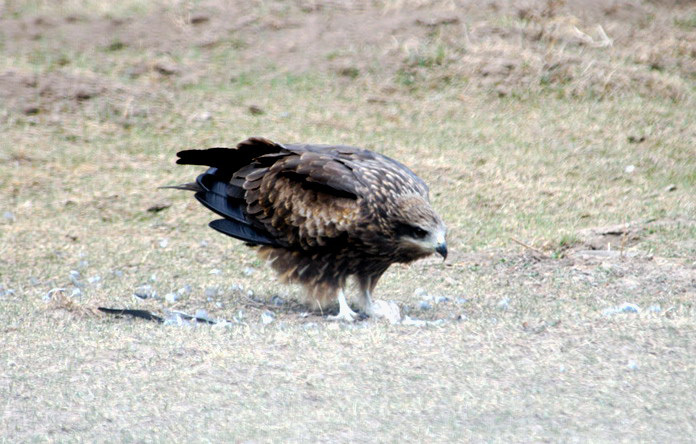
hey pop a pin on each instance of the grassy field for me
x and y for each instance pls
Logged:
(559, 143)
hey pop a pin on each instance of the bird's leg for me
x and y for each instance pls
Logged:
(344, 311)
(377, 309)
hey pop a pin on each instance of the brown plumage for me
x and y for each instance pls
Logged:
(319, 214)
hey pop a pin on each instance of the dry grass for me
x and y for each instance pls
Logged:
(524, 128)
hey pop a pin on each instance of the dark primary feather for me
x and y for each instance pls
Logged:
(243, 232)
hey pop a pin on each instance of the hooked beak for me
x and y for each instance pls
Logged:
(441, 249)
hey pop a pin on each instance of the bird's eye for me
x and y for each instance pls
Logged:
(419, 233)
(410, 231)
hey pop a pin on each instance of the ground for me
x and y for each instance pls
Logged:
(557, 138)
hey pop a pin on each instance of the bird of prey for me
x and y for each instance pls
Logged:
(319, 213)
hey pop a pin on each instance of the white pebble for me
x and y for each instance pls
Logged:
(414, 322)
(202, 314)
(504, 304)
(164, 243)
(626, 307)
(629, 169)
(171, 297)
(215, 271)
(267, 317)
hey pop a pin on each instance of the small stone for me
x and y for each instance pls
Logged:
(248, 271)
(420, 293)
(310, 325)
(424, 305)
(671, 187)
(83, 264)
(186, 289)
(240, 316)
(164, 243)
(215, 271)
(256, 110)
(153, 278)
(117, 273)
(8, 216)
(202, 116)
(277, 300)
(203, 315)
(442, 299)
(461, 300)
(145, 292)
(48, 296)
(267, 317)
(655, 308)
(171, 297)
(250, 293)
(211, 292)
(236, 288)
(632, 365)
(504, 304)
(626, 307)
(74, 278)
(199, 19)
(94, 279)
(31, 109)
(629, 169)
(203, 243)
(166, 68)
(414, 322)
(218, 304)
(33, 281)
(76, 293)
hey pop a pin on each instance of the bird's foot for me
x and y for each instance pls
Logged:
(345, 314)
(384, 309)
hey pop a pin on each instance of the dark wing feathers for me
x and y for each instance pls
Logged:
(291, 196)
(243, 232)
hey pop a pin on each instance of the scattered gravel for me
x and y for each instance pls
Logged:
(145, 292)
(277, 300)
(75, 278)
(626, 307)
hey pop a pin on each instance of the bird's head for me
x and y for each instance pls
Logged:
(418, 228)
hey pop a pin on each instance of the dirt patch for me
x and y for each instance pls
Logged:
(58, 91)
(573, 48)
